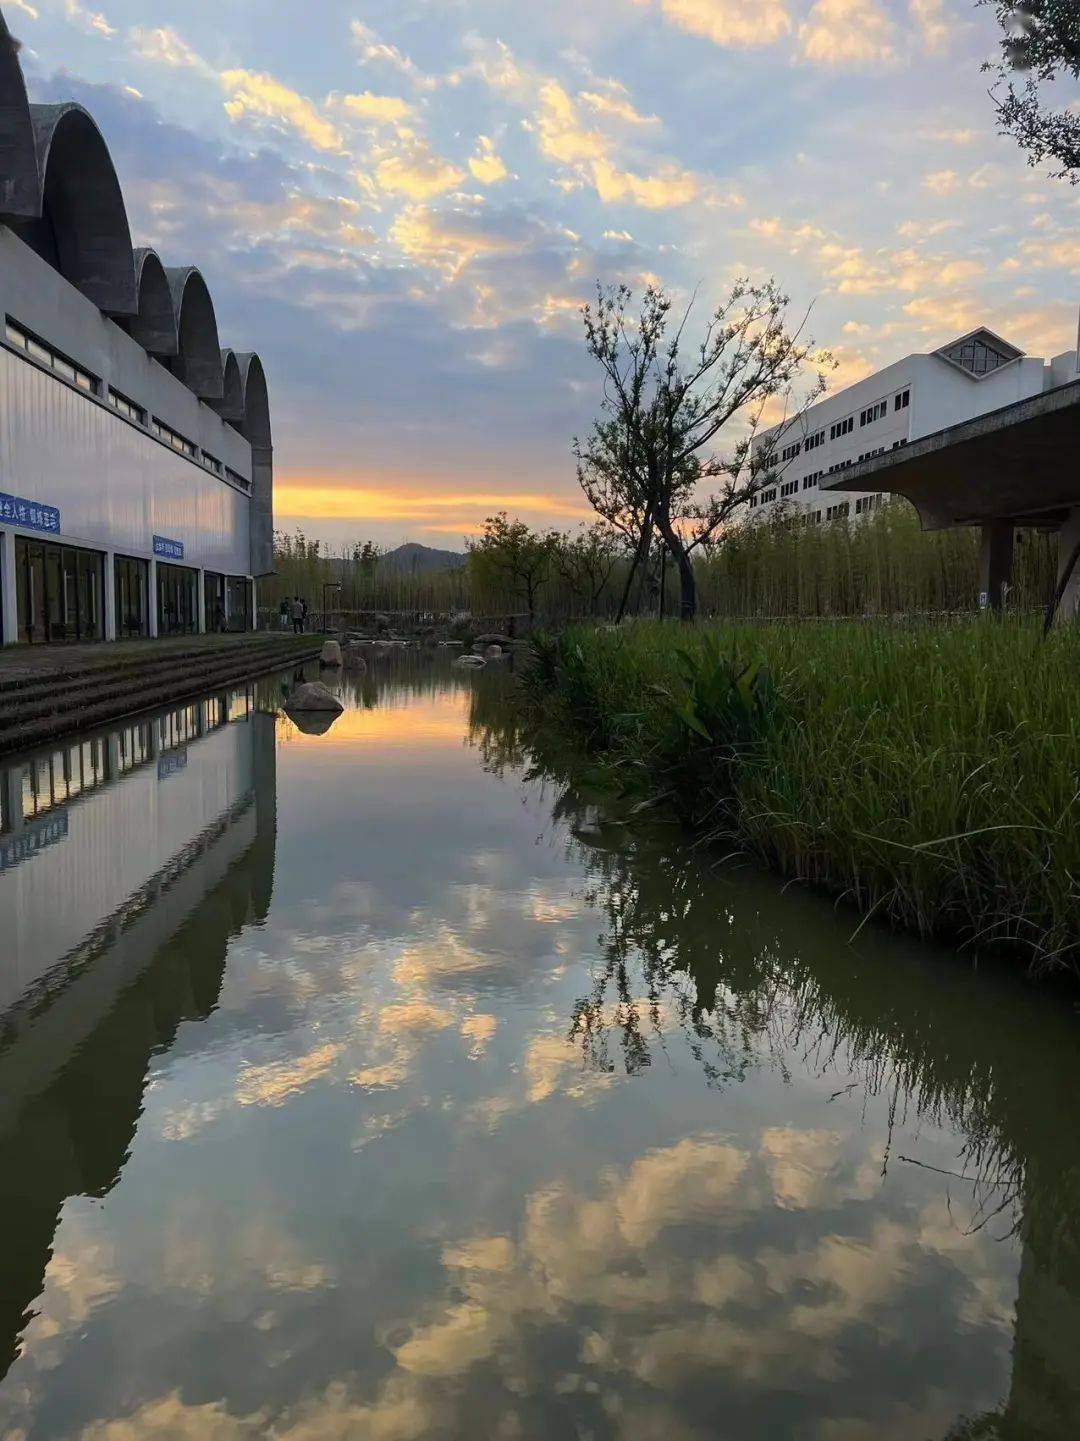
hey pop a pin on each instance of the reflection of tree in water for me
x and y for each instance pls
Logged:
(756, 976)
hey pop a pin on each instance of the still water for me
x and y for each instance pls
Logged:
(364, 1085)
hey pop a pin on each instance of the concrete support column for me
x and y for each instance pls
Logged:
(151, 599)
(201, 599)
(1068, 540)
(995, 572)
(254, 604)
(108, 600)
(225, 606)
(9, 595)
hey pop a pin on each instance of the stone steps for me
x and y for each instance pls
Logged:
(41, 707)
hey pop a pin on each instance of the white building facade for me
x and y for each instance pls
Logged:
(135, 451)
(917, 396)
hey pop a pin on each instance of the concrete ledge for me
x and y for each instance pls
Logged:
(57, 690)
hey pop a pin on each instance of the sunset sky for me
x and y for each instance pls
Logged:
(402, 203)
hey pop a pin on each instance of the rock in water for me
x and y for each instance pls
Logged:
(331, 653)
(492, 652)
(470, 662)
(354, 658)
(313, 696)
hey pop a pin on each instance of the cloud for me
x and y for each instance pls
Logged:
(931, 25)
(164, 46)
(561, 135)
(372, 50)
(615, 103)
(379, 109)
(730, 22)
(941, 182)
(668, 186)
(24, 8)
(486, 166)
(90, 22)
(846, 33)
(252, 93)
(414, 170)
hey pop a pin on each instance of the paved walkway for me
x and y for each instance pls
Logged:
(38, 662)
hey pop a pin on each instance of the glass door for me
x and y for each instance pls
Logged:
(131, 599)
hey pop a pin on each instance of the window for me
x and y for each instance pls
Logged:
(902, 401)
(813, 441)
(841, 428)
(791, 451)
(53, 360)
(977, 357)
(809, 481)
(838, 512)
(173, 438)
(767, 495)
(127, 408)
(840, 465)
(867, 503)
(237, 479)
(869, 454)
(878, 411)
(753, 502)
(813, 517)
(212, 463)
(789, 487)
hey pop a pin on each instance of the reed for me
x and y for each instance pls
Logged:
(879, 564)
(928, 773)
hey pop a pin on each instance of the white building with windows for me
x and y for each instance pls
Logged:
(917, 396)
(136, 466)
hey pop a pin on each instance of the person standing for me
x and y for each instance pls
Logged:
(297, 615)
(283, 614)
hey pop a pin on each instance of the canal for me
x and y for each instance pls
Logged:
(371, 1085)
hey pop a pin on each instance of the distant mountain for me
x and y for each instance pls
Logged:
(413, 559)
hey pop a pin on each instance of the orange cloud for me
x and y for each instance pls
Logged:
(319, 501)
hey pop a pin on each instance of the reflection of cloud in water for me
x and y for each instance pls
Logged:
(413, 1018)
(277, 1081)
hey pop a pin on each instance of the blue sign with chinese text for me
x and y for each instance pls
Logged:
(168, 549)
(33, 839)
(29, 514)
(169, 765)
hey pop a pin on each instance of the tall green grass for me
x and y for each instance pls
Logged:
(879, 564)
(929, 774)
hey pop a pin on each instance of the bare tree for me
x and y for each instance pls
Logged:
(665, 405)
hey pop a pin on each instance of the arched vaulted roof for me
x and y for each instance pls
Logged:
(231, 405)
(19, 185)
(82, 229)
(256, 424)
(198, 363)
(155, 326)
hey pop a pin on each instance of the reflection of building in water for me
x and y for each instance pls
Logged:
(126, 863)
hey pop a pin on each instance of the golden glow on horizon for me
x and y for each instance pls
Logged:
(318, 501)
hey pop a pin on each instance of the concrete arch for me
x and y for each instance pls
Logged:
(198, 360)
(155, 326)
(20, 188)
(255, 427)
(82, 225)
(231, 405)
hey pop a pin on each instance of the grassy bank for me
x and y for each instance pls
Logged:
(930, 775)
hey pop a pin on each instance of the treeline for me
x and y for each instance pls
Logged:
(879, 564)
